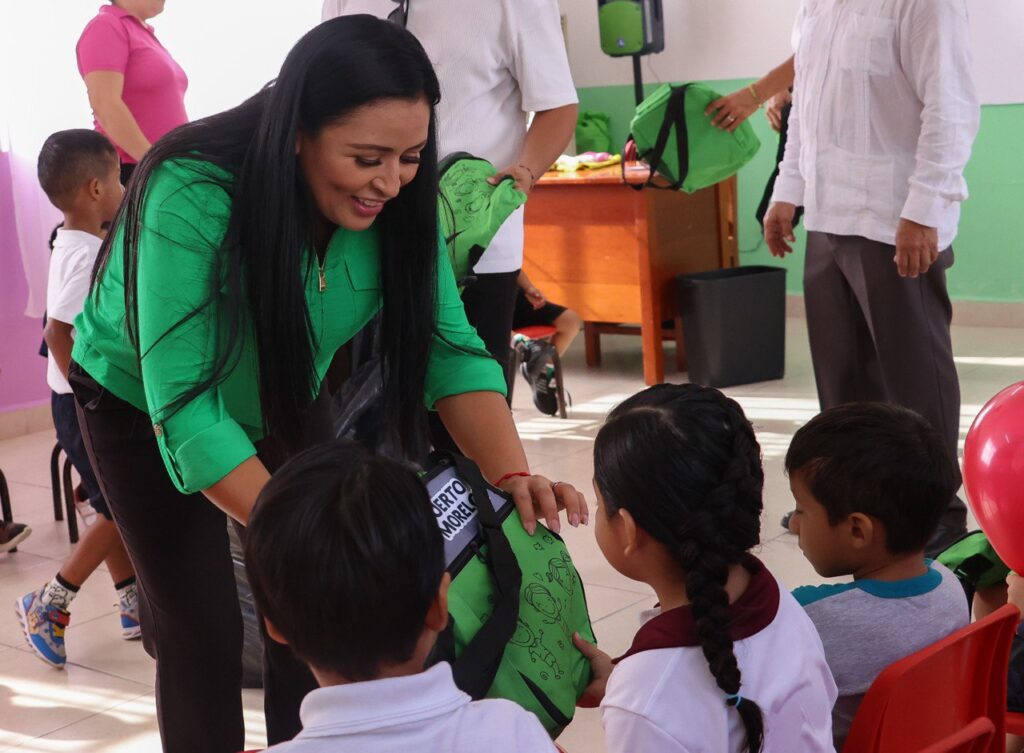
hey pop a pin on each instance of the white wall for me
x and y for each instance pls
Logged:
(723, 39)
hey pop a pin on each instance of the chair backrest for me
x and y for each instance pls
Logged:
(976, 737)
(928, 697)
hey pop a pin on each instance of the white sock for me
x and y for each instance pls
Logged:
(59, 593)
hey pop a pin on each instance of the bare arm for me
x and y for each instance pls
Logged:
(548, 136)
(481, 424)
(58, 339)
(730, 111)
(105, 89)
(236, 493)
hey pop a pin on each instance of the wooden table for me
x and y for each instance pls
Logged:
(611, 253)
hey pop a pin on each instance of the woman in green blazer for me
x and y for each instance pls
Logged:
(250, 247)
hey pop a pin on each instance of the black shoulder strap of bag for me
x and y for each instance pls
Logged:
(675, 115)
(474, 671)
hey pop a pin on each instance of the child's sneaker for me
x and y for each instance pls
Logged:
(44, 628)
(129, 601)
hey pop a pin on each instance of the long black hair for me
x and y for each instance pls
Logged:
(684, 461)
(338, 67)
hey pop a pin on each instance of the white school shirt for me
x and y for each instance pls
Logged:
(422, 713)
(884, 117)
(662, 698)
(497, 61)
(67, 285)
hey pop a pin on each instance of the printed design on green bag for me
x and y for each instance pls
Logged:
(539, 654)
(560, 571)
(545, 604)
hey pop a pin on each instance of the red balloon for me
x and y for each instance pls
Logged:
(994, 473)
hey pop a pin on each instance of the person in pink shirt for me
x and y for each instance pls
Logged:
(136, 89)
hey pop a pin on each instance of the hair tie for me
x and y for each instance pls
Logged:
(733, 699)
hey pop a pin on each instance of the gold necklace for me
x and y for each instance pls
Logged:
(323, 277)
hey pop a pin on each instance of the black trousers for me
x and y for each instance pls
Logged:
(191, 622)
(489, 303)
(876, 336)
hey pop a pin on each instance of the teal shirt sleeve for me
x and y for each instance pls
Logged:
(459, 362)
(183, 224)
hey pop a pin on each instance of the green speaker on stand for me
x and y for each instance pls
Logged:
(631, 28)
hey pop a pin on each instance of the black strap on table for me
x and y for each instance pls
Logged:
(675, 115)
(475, 669)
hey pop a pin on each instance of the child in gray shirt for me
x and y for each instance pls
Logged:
(871, 482)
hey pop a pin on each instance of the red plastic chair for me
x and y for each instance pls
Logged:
(976, 737)
(540, 332)
(1015, 723)
(933, 697)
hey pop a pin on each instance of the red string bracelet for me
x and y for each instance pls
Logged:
(507, 476)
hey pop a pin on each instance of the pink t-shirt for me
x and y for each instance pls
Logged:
(154, 85)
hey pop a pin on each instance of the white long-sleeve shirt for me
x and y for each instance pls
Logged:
(884, 116)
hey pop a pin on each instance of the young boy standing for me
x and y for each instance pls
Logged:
(871, 482)
(366, 624)
(80, 173)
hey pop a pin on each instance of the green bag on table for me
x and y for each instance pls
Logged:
(675, 137)
(514, 602)
(594, 133)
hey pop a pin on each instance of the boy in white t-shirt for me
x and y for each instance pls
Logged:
(497, 61)
(80, 173)
(346, 564)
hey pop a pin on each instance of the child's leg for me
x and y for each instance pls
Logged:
(1014, 744)
(100, 541)
(568, 324)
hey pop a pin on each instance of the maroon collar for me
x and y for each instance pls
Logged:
(750, 614)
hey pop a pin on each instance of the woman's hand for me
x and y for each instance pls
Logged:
(601, 669)
(729, 112)
(773, 109)
(536, 496)
(534, 296)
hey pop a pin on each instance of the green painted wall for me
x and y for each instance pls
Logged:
(990, 247)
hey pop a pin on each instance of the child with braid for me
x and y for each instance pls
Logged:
(731, 663)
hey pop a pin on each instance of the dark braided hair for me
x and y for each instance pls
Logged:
(683, 460)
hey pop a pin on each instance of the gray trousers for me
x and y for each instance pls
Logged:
(876, 336)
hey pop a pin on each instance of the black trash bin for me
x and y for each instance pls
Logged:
(734, 323)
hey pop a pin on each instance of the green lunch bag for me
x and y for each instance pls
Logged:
(514, 602)
(594, 133)
(675, 137)
(974, 562)
(472, 210)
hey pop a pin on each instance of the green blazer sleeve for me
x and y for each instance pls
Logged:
(459, 362)
(183, 224)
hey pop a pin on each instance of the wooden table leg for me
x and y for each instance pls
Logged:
(681, 364)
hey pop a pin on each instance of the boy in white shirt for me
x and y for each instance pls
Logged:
(346, 564)
(80, 173)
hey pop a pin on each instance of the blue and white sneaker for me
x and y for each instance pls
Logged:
(129, 601)
(44, 628)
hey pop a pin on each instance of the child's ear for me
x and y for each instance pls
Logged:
(94, 188)
(862, 530)
(437, 615)
(632, 534)
(274, 633)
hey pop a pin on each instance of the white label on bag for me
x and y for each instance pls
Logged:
(452, 503)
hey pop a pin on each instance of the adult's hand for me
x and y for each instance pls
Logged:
(778, 228)
(917, 248)
(729, 112)
(537, 497)
(522, 175)
(773, 109)
(534, 296)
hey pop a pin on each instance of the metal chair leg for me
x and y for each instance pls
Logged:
(559, 389)
(58, 507)
(69, 503)
(5, 505)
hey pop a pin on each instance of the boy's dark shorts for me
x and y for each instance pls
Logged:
(65, 420)
(525, 315)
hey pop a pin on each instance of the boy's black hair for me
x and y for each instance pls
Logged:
(683, 460)
(69, 158)
(881, 460)
(345, 558)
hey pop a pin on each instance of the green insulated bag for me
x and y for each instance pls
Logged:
(973, 560)
(675, 137)
(514, 602)
(472, 210)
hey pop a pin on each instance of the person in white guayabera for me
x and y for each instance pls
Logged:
(884, 116)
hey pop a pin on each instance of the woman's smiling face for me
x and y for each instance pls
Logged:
(355, 165)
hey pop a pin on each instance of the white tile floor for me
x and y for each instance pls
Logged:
(103, 702)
